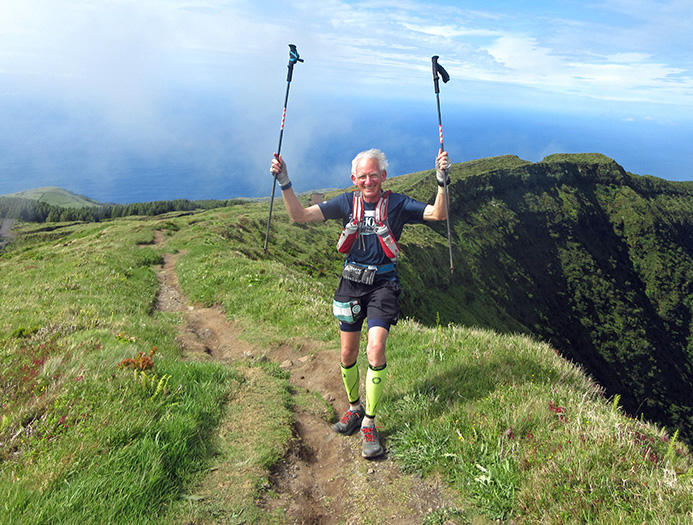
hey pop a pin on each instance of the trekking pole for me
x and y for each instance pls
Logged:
(437, 68)
(293, 58)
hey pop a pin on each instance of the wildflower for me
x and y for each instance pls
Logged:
(140, 362)
(556, 409)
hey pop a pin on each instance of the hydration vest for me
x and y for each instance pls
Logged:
(382, 228)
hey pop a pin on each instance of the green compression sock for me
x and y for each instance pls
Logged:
(350, 375)
(375, 382)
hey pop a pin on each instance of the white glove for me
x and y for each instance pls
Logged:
(442, 169)
(279, 169)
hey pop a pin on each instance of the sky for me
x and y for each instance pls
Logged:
(128, 101)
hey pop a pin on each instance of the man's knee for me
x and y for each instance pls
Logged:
(349, 347)
(376, 348)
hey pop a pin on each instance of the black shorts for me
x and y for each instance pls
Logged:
(380, 301)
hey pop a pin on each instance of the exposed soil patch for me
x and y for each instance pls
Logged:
(323, 480)
(6, 228)
(6, 234)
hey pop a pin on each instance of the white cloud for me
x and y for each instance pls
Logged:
(628, 58)
(523, 54)
(448, 31)
(127, 51)
(209, 75)
(123, 57)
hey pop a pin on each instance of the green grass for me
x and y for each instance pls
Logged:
(56, 197)
(502, 417)
(81, 437)
(519, 432)
(256, 428)
(526, 434)
(121, 449)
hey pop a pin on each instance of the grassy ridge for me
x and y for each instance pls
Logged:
(82, 437)
(576, 251)
(56, 197)
(505, 419)
(526, 434)
(515, 427)
(520, 432)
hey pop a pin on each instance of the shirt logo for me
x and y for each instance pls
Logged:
(368, 224)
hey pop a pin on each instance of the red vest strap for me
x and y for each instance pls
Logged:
(385, 236)
(351, 230)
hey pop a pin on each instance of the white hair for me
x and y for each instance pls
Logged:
(370, 154)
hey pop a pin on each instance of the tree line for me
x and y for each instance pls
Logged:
(30, 210)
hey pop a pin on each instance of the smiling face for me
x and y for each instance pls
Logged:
(368, 179)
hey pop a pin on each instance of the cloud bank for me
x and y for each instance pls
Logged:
(169, 81)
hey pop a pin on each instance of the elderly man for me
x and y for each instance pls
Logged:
(373, 220)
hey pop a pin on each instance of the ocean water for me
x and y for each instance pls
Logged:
(209, 154)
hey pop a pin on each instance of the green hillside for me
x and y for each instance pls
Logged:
(51, 205)
(55, 196)
(572, 250)
(576, 251)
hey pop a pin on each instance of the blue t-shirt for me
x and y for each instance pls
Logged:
(367, 250)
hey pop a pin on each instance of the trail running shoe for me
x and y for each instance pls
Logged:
(371, 447)
(351, 422)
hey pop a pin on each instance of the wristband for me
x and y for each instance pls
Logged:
(286, 186)
(443, 184)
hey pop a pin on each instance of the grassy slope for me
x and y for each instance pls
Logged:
(82, 438)
(518, 430)
(56, 197)
(578, 252)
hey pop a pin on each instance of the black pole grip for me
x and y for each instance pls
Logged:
(434, 64)
(438, 69)
(293, 58)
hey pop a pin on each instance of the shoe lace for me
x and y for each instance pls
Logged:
(368, 434)
(347, 416)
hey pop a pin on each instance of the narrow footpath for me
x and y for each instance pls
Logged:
(323, 480)
(6, 234)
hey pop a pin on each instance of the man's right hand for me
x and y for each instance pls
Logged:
(279, 169)
(442, 168)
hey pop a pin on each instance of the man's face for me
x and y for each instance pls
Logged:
(368, 179)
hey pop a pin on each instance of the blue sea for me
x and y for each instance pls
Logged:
(212, 154)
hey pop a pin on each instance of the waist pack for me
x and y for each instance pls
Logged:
(349, 312)
(359, 274)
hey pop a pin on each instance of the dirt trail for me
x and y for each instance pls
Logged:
(323, 480)
(6, 228)
(6, 234)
